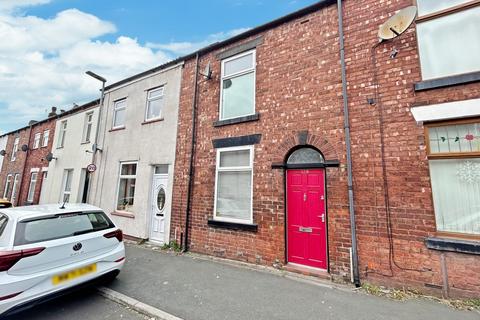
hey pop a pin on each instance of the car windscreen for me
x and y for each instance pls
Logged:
(60, 226)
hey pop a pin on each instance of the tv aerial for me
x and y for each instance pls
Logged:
(397, 24)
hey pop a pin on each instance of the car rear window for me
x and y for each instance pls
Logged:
(60, 226)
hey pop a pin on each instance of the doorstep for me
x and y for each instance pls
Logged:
(307, 271)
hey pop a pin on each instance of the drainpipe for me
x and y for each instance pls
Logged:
(192, 150)
(351, 207)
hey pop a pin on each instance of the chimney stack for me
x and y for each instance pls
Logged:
(53, 113)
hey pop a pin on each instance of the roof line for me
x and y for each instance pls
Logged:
(267, 26)
(58, 116)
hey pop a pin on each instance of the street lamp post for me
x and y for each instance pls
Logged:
(97, 131)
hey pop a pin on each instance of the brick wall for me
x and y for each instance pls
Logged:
(36, 160)
(299, 88)
(406, 164)
(14, 167)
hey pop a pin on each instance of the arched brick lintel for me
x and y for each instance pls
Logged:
(304, 138)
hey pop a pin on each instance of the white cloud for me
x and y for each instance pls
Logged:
(43, 61)
(8, 5)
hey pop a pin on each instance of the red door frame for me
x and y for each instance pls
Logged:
(307, 167)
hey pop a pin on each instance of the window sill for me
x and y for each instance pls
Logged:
(116, 129)
(252, 117)
(152, 121)
(453, 245)
(123, 214)
(232, 225)
(447, 81)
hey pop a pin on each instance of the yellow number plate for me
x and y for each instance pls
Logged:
(67, 276)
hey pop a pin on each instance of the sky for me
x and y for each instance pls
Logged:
(47, 45)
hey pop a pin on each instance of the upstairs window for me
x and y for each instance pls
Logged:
(61, 134)
(119, 113)
(154, 104)
(447, 34)
(46, 136)
(233, 186)
(454, 161)
(238, 86)
(15, 148)
(87, 129)
(36, 140)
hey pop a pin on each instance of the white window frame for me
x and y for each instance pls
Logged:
(46, 137)
(240, 73)
(160, 97)
(62, 133)
(120, 177)
(234, 169)
(116, 109)
(36, 140)
(431, 16)
(13, 197)
(8, 182)
(88, 123)
(16, 142)
(64, 185)
(32, 186)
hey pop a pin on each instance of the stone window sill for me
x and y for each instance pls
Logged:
(232, 225)
(447, 81)
(252, 117)
(151, 121)
(453, 245)
(123, 214)
(116, 129)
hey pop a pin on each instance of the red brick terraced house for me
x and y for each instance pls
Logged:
(25, 164)
(36, 164)
(266, 131)
(13, 164)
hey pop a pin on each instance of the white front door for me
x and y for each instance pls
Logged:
(160, 213)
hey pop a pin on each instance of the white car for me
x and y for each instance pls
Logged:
(46, 250)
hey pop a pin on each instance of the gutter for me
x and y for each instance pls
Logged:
(351, 205)
(192, 154)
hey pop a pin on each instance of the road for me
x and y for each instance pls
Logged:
(85, 304)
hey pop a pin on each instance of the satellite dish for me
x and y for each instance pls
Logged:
(50, 157)
(397, 24)
(24, 148)
(95, 148)
(3, 153)
(207, 73)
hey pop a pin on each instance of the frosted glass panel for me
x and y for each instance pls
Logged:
(234, 195)
(238, 65)
(305, 155)
(430, 6)
(449, 45)
(456, 194)
(238, 158)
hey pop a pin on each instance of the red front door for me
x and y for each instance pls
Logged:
(306, 235)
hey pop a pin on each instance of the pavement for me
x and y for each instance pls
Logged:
(196, 288)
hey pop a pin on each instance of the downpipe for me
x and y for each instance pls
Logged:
(354, 257)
